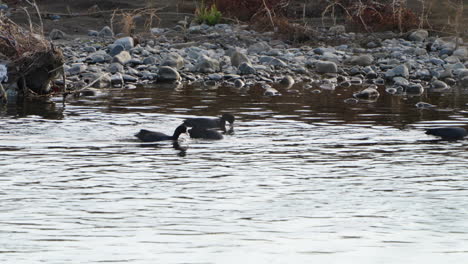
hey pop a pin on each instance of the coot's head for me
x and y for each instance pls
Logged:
(181, 129)
(228, 117)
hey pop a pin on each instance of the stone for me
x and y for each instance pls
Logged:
(115, 49)
(56, 34)
(246, 68)
(362, 60)
(157, 31)
(168, 74)
(106, 32)
(287, 81)
(93, 33)
(174, 60)
(400, 70)
(439, 85)
(151, 61)
(414, 89)
(464, 81)
(400, 81)
(115, 67)
(89, 49)
(238, 83)
(206, 64)
(272, 61)
(338, 29)
(461, 53)
(117, 80)
(369, 93)
(418, 35)
(126, 42)
(122, 58)
(237, 58)
(326, 67)
(77, 68)
(258, 48)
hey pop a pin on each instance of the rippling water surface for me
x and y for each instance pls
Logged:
(305, 178)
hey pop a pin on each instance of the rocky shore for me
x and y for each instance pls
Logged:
(234, 55)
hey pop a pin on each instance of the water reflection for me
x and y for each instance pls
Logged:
(304, 178)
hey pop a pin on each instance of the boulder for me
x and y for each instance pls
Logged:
(174, 60)
(206, 64)
(326, 67)
(418, 35)
(167, 74)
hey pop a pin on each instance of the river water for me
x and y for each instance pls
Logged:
(304, 178)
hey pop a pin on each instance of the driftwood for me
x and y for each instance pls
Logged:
(31, 60)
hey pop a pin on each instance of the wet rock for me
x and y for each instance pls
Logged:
(326, 67)
(206, 64)
(270, 91)
(56, 34)
(167, 73)
(414, 89)
(464, 82)
(287, 82)
(418, 35)
(126, 42)
(106, 32)
(246, 68)
(439, 85)
(129, 78)
(122, 58)
(423, 105)
(115, 49)
(117, 80)
(395, 90)
(238, 83)
(215, 77)
(115, 67)
(400, 81)
(237, 58)
(174, 60)
(351, 101)
(400, 70)
(369, 93)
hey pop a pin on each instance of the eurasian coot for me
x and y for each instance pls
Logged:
(204, 133)
(448, 133)
(152, 136)
(202, 122)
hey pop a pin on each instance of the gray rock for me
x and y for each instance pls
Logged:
(215, 77)
(437, 61)
(89, 49)
(287, 81)
(362, 60)
(338, 29)
(77, 68)
(414, 89)
(419, 35)
(326, 67)
(246, 68)
(56, 34)
(369, 93)
(157, 31)
(126, 42)
(106, 32)
(464, 81)
(400, 81)
(272, 61)
(439, 85)
(115, 49)
(420, 51)
(258, 48)
(115, 67)
(151, 61)
(122, 58)
(168, 74)
(129, 78)
(117, 80)
(206, 64)
(461, 53)
(174, 60)
(237, 58)
(93, 33)
(238, 83)
(400, 70)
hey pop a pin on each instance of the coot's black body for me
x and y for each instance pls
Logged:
(152, 136)
(204, 133)
(448, 133)
(202, 122)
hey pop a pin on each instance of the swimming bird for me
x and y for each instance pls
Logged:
(202, 122)
(152, 136)
(448, 133)
(204, 133)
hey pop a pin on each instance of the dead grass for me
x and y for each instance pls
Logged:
(126, 19)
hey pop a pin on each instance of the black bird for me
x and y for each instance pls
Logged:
(204, 133)
(202, 122)
(448, 133)
(152, 136)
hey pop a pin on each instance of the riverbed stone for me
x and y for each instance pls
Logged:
(237, 58)
(206, 64)
(167, 73)
(150, 61)
(174, 60)
(246, 68)
(400, 70)
(115, 49)
(115, 67)
(106, 32)
(77, 68)
(126, 42)
(273, 61)
(122, 58)
(326, 67)
(368, 93)
(117, 80)
(418, 35)
(362, 60)
(258, 47)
